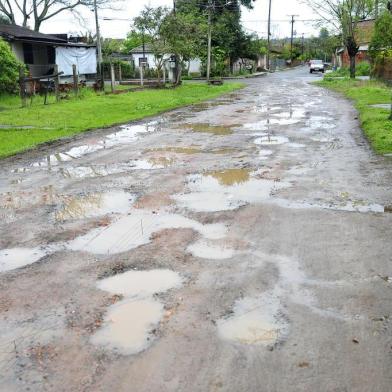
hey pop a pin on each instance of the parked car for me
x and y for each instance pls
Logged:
(317, 66)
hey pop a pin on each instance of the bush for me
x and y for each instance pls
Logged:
(127, 71)
(9, 69)
(363, 69)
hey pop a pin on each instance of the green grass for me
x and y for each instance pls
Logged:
(90, 111)
(375, 121)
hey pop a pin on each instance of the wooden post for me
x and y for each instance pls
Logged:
(141, 68)
(22, 86)
(112, 78)
(75, 79)
(57, 83)
(119, 73)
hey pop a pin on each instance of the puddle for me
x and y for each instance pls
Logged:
(270, 140)
(223, 151)
(265, 153)
(161, 162)
(255, 321)
(178, 150)
(141, 283)
(210, 250)
(19, 257)
(126, 134)
(352, 206)
(209, 193)
(78, 207)
(296, 145)
(128, 325)
(209, 128)
(231, 176)
(256, 126)
(136, 229)
(320, 122)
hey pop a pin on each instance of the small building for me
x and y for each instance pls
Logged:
(41, 52)
(144, 54)
(363, 35)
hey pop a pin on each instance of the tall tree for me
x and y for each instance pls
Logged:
(38, 11)
(150, 22)
(345, 15)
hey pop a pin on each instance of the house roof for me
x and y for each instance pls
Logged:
(19, 33)
(139, 49)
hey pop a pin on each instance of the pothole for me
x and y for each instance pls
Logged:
(128, 325)
(225, 190)
(97, 204)
(136, 229)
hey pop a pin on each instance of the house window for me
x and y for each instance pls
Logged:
(143, 61)
(28, 53)
(51, 55)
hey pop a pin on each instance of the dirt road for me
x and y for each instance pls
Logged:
(242, 244)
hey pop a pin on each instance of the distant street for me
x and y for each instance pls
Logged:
(242, 244)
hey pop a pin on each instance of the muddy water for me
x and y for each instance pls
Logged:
(128, 325)
(212, 250)
(222, 191)
(134, 230)
(178, 150)
(97, 204)
(209, 128)
(231, 176)
(19, 257)
(140, 283)
(255, 321)
(269, 140)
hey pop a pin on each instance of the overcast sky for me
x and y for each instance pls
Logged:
(253, 20)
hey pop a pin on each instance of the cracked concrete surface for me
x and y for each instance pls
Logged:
(268, 206)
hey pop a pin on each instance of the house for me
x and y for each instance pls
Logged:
(363, 36)
(144, 54)
(41, 52)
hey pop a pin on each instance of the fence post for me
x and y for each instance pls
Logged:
(119, 73)
(57, 83)
(22, 86)
(75, 79)
(141, 68)
(112, 77)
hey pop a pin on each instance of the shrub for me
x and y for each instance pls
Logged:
(363, 69)
(9, 69)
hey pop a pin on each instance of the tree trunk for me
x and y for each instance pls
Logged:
(352, 67)
(179, 72)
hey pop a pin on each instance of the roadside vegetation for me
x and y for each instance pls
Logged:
(376, 122)
(25, 128)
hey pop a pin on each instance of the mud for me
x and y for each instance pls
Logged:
(241, 244)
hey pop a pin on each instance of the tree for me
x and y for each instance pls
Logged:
(9, 69)
(344, 15)
(381, 44)
(184, 34)
(41, 10)
(133, 40)
(150, 22)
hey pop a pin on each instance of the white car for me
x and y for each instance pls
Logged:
(317, 66)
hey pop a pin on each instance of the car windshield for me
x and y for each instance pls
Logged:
(316, 61)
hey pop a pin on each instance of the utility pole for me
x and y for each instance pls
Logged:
(210, 6)
(303, 44)
(292, 37)
(269, 36)
(99, 43)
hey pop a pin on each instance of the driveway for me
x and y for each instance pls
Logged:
(243, 244)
